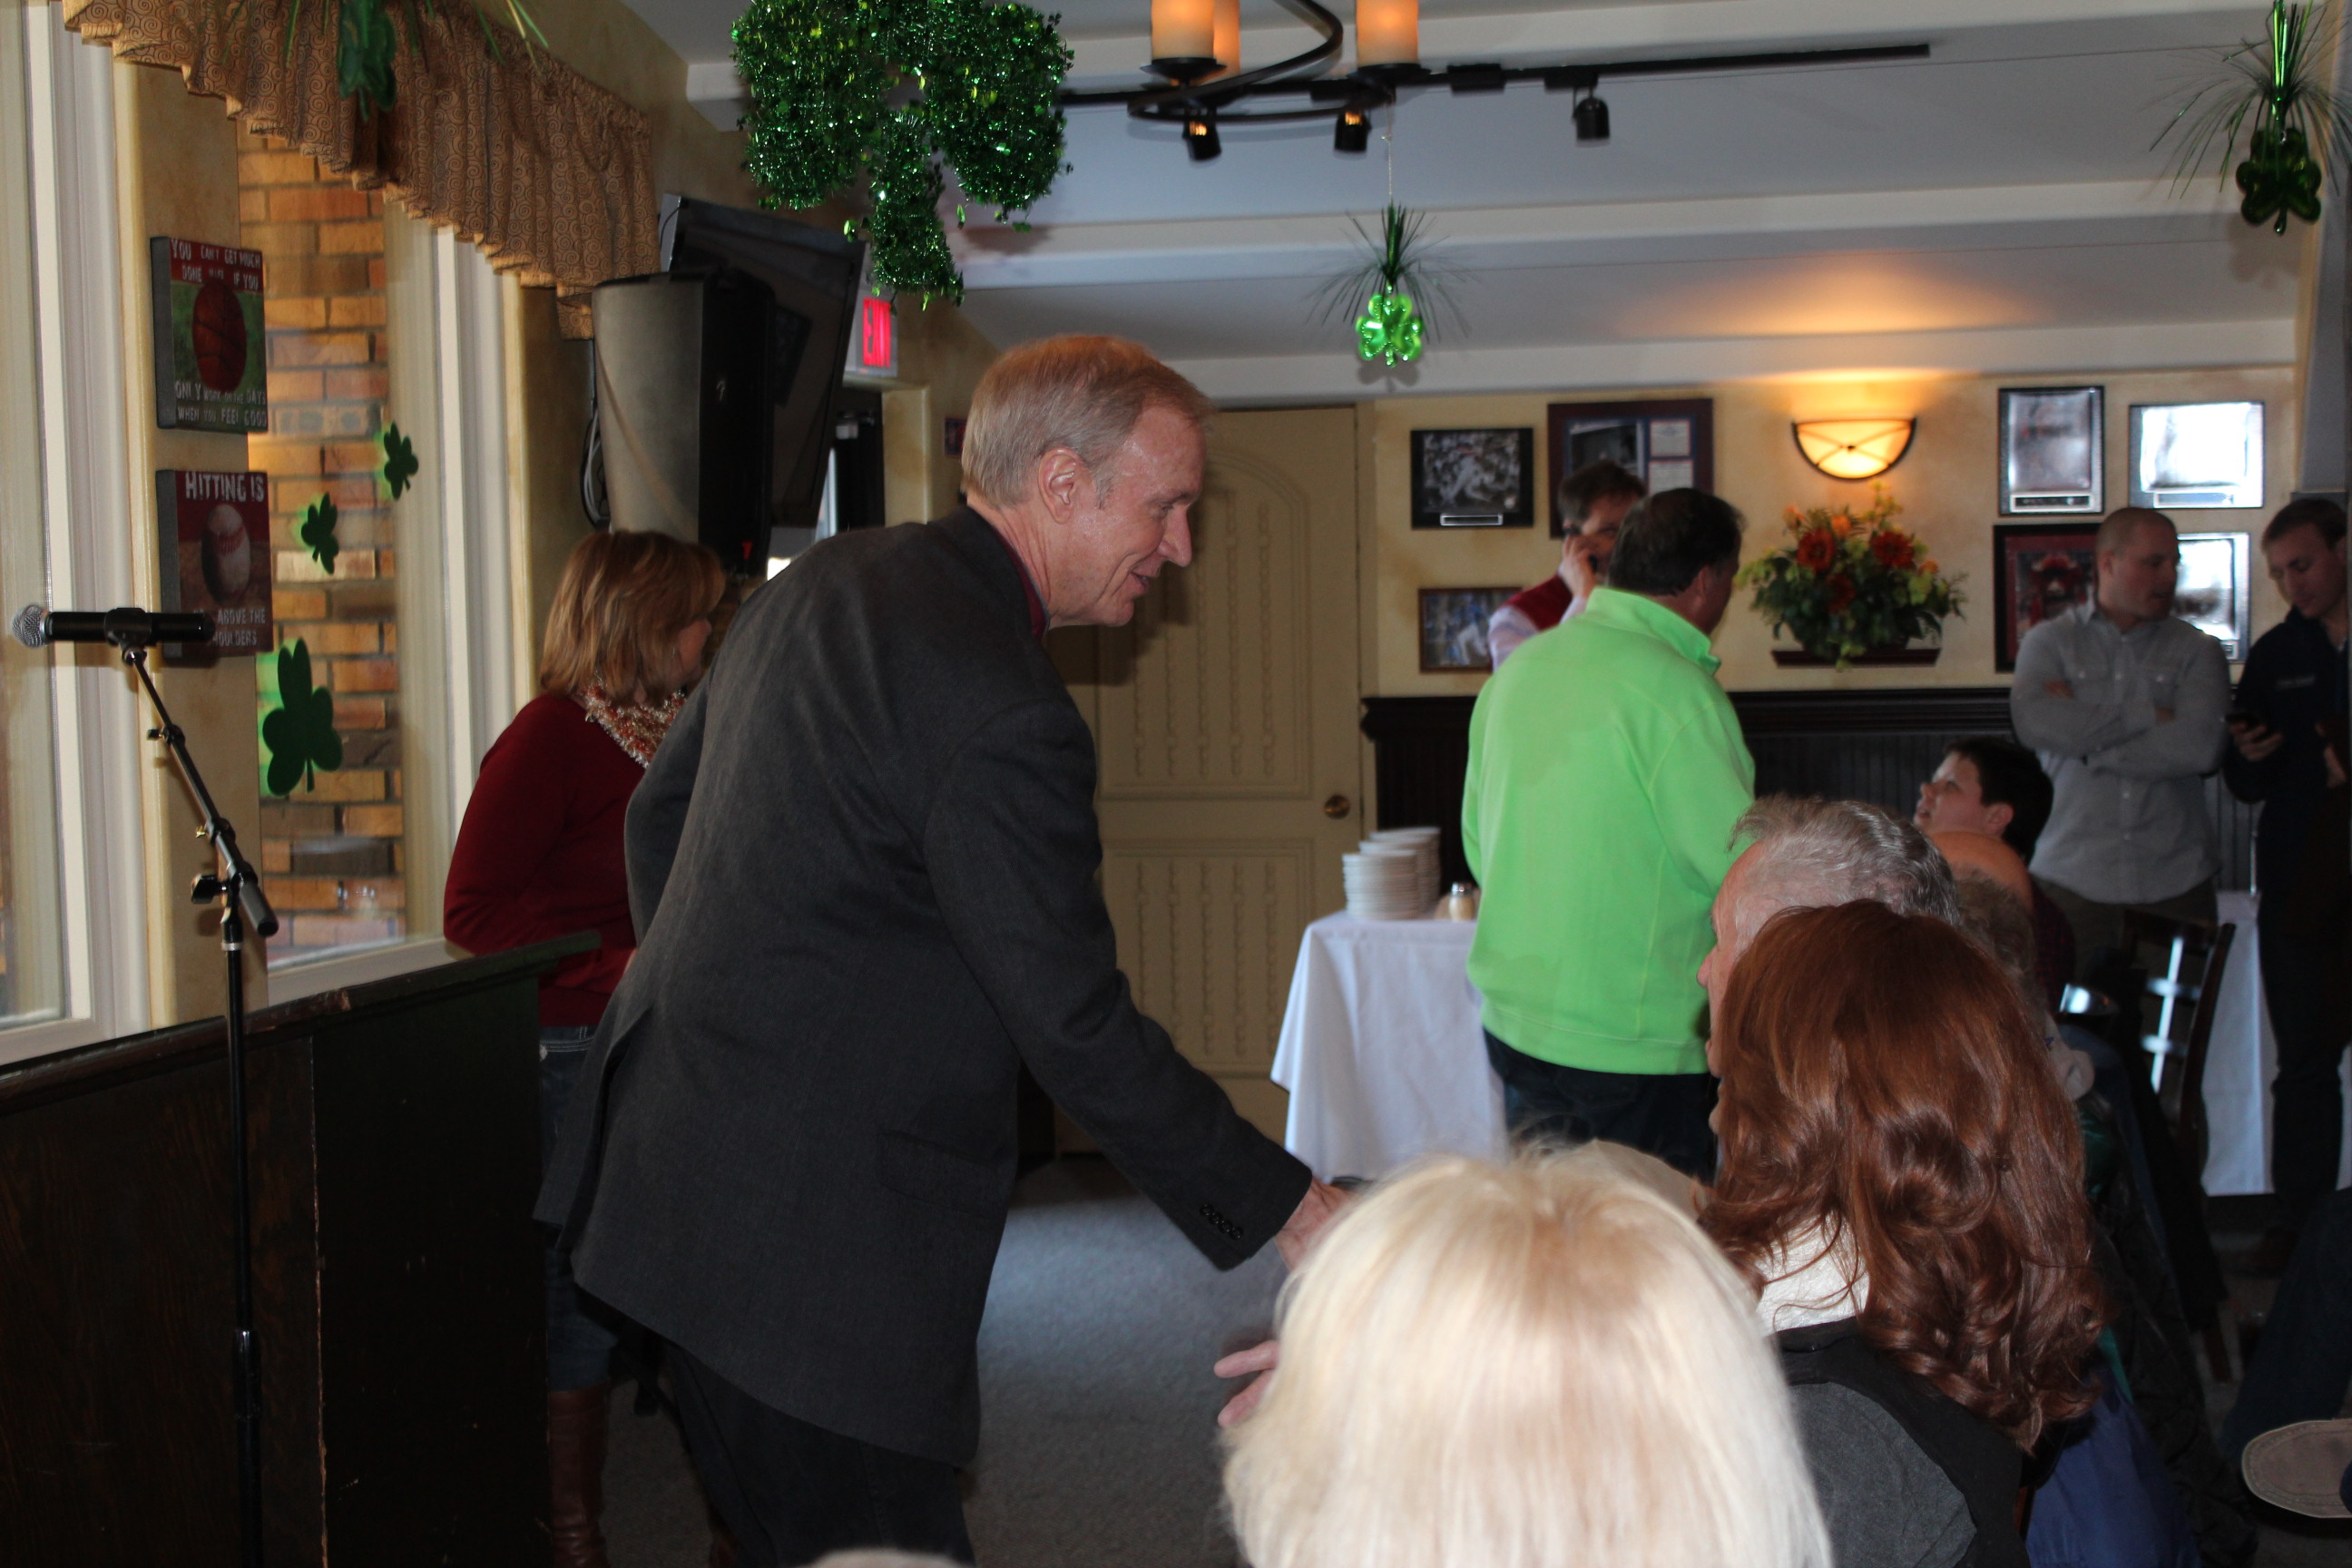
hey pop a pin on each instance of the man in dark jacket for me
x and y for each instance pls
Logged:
(863, 869)
(2294, 683)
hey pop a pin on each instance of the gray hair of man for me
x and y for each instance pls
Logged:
(1805, 854)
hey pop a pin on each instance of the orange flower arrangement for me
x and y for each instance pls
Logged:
(1849, 581)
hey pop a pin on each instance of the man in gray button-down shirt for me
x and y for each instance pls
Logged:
(2126, 706)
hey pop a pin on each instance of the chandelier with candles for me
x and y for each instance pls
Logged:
(1196, 53)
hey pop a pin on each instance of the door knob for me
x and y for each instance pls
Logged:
(1338, 806)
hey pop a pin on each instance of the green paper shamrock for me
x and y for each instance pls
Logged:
(319, 532)
(822, 76)
(2280, 178)
(299, 733)
(1388, 329)
(399, 460)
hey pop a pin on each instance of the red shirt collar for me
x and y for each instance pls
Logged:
(1038, 621)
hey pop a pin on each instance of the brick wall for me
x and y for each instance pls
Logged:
(333, 852)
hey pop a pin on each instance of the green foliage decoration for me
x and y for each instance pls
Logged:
(1848, 581)
(318, 533)
(826, 80)
(399, 460)
(2300, 128)
(367, 45)
(299, 733)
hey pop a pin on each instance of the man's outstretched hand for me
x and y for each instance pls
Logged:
(1256, 1364)
(1313, 1213)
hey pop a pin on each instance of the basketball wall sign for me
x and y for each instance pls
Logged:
(211, 364)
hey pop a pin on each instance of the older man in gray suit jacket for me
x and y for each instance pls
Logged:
(863, 871)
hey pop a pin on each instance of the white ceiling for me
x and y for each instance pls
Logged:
(1994, 206)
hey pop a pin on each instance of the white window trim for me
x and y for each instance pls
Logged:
(86, 513)
(449, 314)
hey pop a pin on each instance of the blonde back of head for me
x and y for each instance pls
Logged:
(1544, 1365)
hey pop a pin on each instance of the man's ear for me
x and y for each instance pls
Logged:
(1060, 472)
(1998, 816)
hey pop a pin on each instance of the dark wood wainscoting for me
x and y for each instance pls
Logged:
(1852, 745)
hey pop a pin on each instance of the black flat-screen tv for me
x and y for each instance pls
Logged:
(812, 275)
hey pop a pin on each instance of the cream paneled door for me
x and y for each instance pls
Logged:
(1224, 716)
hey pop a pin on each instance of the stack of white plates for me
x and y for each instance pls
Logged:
(1423, 841)
(1383, 883)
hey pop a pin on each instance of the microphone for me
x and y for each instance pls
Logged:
(124, 628)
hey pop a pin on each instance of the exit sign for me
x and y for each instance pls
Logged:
(874, 350)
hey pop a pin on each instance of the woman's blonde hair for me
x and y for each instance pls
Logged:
(1539, 1365)
(1078, 392)
(622, 602)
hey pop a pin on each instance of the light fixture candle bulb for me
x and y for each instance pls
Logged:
(1387, 32)
(1225, 30)
(1183, 29)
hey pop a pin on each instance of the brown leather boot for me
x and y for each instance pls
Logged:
(575, 1466)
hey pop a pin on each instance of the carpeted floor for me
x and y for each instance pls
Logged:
(1098, 1446)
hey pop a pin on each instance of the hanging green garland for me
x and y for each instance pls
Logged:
(820, 74)
(2278, 82)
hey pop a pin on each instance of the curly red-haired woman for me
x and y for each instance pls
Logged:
(1901, 1178)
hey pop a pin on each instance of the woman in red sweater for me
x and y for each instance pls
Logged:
(540, 856)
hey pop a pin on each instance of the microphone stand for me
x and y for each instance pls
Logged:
(236, 887)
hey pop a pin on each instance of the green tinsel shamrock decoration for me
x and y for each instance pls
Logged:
(399, 460)
(2279, 83)
(2279, 178)
(1394, 267)
(319, 532)
(1388, 329)
(988, 78)
(301, 731)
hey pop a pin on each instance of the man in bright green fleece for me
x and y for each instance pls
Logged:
(1606, 774)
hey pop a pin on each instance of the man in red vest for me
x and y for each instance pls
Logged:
(1594, 501)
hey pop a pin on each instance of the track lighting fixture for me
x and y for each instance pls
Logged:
(1196, 53)
(1592, 116)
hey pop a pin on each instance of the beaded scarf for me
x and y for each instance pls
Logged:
(637, 728)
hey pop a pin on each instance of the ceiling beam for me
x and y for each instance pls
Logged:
(1718, 228)
(2035, 351)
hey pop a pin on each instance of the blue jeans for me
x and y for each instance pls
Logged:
(579, 1341)
(2302, 1368)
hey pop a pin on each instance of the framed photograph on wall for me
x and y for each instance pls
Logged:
(2191, 456)
(1454, 626)
(2040, 570)
(1473, 479)
(2052, 451)
(2212, 593)
(1668, 443)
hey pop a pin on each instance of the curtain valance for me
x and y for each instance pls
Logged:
(549, 174)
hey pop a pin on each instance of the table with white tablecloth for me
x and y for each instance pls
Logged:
(1381, 1050)
(1385, 1060)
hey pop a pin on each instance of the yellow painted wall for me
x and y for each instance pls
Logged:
(177, 175)
(942, 357)
(1946, 484)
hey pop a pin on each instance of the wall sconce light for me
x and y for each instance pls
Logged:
(1854, 449)
(1388, 33)
(1201, 137)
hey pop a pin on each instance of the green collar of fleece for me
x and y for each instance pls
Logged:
(1638, 612)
